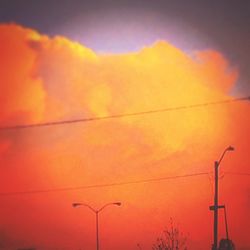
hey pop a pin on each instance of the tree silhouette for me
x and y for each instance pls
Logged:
(172, 239)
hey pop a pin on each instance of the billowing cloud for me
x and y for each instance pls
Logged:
(47, 79)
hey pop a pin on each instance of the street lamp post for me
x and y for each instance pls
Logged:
(96, 211)
(215, 207)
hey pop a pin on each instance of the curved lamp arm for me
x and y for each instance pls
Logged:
(230, 148)
(109, 204)
(76, 204)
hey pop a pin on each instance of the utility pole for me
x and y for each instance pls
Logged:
(215, 207)
(216, 167)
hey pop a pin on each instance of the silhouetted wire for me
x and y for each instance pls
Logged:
(238, 173)
(54, 123)
(210, 178)
(102, 185)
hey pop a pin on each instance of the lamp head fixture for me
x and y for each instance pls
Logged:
(230, 148)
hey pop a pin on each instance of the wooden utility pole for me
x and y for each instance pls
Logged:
(215, 207)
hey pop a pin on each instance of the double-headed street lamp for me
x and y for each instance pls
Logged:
(215, 207)
(96, 211)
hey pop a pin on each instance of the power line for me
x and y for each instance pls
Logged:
(63, 122)
(102, 185)
(237, 173)
(113, 184)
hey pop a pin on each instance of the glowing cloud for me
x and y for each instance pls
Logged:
(47, 79)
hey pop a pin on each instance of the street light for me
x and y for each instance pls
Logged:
(216, 207)
(230, 148)
(96, 211)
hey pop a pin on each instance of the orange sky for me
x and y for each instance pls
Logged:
(46, 79)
